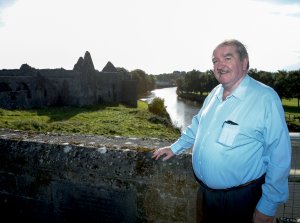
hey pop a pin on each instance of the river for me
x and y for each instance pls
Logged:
(181, 111)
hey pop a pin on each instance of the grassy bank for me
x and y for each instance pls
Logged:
(292, 114)
(107, 120)
(100, 120)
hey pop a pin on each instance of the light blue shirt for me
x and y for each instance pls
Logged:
(256, 142)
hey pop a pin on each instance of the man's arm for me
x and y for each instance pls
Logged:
(278, 157)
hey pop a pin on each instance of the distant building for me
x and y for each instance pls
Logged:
(28, 87)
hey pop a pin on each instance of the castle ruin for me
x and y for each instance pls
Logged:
(28, 87)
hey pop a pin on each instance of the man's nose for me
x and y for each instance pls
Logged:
(220, 65)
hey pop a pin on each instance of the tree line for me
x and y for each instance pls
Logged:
(285, 83)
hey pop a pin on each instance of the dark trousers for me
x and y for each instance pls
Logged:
(234, 205)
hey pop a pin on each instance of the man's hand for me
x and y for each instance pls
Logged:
(259, 217)
(163, 151)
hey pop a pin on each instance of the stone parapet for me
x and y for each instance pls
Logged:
(87, 178)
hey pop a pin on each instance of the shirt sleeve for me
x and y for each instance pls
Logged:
(278, 149)
(187, 138)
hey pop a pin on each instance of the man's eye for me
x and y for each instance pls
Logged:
(227, 58)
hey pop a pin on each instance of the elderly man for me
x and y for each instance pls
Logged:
(241, 145)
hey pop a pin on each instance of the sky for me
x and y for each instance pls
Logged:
(156, 36)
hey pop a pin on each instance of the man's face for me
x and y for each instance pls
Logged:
(228, 68)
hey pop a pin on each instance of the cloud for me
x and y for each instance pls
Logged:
(4, 4)
(289, 8)
(155, 36)
(281, 2)
(296, 14)
(296, 64)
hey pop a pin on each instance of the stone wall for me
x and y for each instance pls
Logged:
(75, 178)
(88, 178)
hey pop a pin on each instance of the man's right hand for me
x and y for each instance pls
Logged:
(163, 151)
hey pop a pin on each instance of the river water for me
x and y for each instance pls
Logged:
(181, 111)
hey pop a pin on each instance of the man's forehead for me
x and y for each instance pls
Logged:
(224, 51)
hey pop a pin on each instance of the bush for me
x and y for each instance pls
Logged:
(157, 106)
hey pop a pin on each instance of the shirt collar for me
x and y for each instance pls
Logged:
(239, 92)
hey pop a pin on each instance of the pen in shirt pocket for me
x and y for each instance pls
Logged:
(229, 122)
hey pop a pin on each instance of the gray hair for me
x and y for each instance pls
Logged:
(240, 48)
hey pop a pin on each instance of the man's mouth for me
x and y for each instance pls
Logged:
(221, 71)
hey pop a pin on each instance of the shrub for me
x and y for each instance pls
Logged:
(157, 106)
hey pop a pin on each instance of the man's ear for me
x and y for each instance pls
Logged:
(245, 63)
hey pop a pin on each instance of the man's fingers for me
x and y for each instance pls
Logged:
(163, 151)
(167, 157)
(156, 156)
(158, 153)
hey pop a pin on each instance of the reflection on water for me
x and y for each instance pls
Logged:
(181, 111)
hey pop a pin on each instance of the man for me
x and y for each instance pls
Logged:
(241, 145)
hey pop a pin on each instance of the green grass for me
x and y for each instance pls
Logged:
(292, 111)
(100, 120)
(106, 120)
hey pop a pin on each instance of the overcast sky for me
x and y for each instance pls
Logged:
(157, 36)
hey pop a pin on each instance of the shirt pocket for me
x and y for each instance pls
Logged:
(237, 136)
(228, 134)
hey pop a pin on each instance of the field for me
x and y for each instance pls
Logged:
(107, 120)
(292, 111)
(100, 120)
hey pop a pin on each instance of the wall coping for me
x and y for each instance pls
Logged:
(87, 140)
(100, 141)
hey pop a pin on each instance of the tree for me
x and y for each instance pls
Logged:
(281, 84)
(294, 84)
(145, 83)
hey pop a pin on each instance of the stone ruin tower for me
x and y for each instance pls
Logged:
(28, 87)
